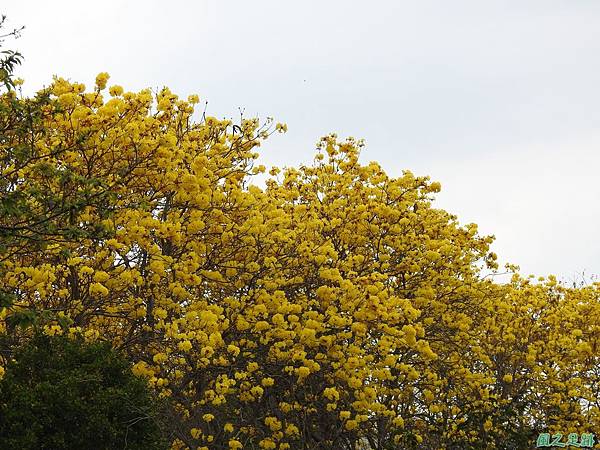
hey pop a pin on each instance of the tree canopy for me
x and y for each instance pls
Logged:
(334, 307)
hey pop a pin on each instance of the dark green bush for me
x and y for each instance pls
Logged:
(60, 393)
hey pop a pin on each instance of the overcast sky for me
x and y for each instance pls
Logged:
(497, 100)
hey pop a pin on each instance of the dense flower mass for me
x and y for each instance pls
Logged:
(335, 308)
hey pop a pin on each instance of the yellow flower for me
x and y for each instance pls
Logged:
(53, 330)
(257, 390)
(331, 394)
(303, 372)
(115, 90)
(99, 289)
(399, 422)
(186, 345)
(267, 444)
(487, 425)
(267, 382)
(292, 430)
(159, 358)
(101, 276)
(273, 423)
(101, 80)
(235, 444)
(351, 424)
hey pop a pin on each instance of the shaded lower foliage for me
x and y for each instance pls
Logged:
(60, 393)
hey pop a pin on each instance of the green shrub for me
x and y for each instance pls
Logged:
(60, 393)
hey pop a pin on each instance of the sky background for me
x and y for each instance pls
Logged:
(497, 100)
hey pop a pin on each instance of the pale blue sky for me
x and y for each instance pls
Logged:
(497, 100)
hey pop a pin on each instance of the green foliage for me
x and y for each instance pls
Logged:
(60, 393)
(9, 59)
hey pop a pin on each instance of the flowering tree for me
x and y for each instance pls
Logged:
(333, 308)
